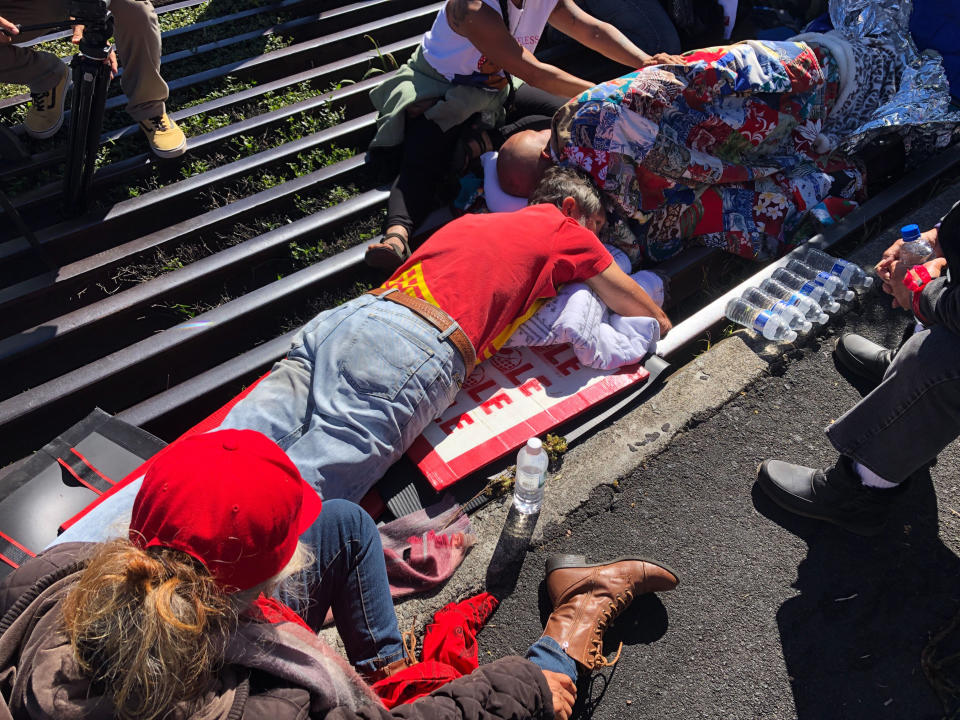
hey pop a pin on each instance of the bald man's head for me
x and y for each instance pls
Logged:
(521, 162)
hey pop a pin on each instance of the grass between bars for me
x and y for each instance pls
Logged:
(300, 254)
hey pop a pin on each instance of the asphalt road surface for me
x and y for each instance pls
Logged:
(776, 616)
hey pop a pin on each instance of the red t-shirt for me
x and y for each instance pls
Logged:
(491, 272)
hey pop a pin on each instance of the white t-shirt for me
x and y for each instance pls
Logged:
(458, 61)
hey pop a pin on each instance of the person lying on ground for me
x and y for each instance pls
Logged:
(730, 149)
(178, 618)
(467, 66)
(897, 430)
(138, 38)
(362, 380)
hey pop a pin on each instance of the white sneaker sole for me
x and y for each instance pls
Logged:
(167, 154)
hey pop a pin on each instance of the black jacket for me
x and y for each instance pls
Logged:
(940, 299)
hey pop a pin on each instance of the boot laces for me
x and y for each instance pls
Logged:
(409, 640)
(616, 606)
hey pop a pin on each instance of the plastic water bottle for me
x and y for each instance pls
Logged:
(811, 311)
(850, 275)
(763, 321)
(915, 250)
(815, 292)
(531, 476)
(831, 283)
(792, 316)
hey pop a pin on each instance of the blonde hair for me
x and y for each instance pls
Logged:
(151, 625)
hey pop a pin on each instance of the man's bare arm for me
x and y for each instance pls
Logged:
(622, 295)
(604, 38)
(484, 28)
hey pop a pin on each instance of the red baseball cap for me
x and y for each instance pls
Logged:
(232, 499)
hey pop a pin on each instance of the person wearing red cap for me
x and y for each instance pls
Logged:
(176, 619)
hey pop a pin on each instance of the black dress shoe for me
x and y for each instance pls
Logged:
(836, 494)
(864, 358)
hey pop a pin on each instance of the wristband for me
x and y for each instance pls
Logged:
(923, 277)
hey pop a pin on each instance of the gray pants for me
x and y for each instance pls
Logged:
(912, 415)
(138, 42)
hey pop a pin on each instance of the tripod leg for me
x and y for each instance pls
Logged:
(95, 124)
(91, 79)
(79, 116)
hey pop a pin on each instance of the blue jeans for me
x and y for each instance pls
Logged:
(361, 382)
(350, 575)
(547, 654)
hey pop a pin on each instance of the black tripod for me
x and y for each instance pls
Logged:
(91, 77)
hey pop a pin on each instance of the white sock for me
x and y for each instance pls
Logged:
(869, 478)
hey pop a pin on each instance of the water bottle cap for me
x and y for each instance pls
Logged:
(832, 306)
(534, 444)
(868, 282)
(910, 232)
(789, 336)
(822, 318)
(805, 327)
(849, 295)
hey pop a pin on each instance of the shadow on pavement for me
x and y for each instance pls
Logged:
(866, 608)
(507, 560)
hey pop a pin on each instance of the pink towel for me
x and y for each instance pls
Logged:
(420, 553)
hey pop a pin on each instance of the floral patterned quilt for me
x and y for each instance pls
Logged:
(727, 150)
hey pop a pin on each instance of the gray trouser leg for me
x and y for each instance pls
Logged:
(138, 43)
(912, 415)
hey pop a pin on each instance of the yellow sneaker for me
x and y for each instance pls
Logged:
(165, 136)
(45, 116)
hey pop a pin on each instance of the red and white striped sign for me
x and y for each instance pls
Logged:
(513, 396)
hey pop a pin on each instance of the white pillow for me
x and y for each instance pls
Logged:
(497, 199)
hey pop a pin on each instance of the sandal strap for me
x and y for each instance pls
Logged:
(401, 238)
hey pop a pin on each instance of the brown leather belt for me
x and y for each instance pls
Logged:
(436, 317)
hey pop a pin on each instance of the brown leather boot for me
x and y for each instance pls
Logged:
(586, 597)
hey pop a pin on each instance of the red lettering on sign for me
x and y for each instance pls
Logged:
(455, 423)
(476, 391)
(569, 366)
(552, 353)
(497, 401)
(531, 386)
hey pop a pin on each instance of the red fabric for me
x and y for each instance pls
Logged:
(916, 278)
(449, 651)
(274, 611)
(488, 271)
(204, 495)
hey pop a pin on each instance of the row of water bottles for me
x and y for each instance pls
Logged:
(806, 291)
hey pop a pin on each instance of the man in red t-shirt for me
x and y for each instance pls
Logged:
(364, 379)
